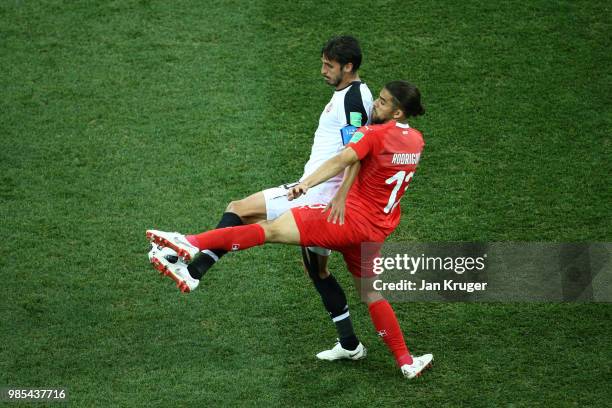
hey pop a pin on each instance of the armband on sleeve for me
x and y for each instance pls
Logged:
(347, 133)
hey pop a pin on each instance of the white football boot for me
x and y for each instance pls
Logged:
(339, 353)
(167, 253)
(419, 364)
(175, 241)
(177, 271)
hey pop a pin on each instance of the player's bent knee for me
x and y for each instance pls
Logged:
(243, 209)
(251, 209)
(234, 207)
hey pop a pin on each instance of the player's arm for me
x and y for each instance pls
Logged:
(337, 204)
(327, 170)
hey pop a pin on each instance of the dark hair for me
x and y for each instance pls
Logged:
(407, 97)
(343, 49)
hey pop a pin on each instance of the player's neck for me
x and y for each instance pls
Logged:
(347, 81)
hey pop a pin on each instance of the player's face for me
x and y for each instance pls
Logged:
(332, 71)
(384, 108)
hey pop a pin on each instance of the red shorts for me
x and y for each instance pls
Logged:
(347, 239)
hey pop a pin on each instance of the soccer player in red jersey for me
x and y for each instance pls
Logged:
(389, 152)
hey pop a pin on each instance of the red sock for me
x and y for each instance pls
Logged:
(389, 329)
(230, 239)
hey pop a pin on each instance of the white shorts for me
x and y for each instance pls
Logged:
(277, 202)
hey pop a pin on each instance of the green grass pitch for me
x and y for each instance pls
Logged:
(118, 116)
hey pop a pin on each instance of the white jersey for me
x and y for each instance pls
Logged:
(356, 97)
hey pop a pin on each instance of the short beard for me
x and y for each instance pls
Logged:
(335, 81)
(378, 121)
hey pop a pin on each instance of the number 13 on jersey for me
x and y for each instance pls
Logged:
(399, 178)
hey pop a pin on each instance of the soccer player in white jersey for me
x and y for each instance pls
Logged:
(350, 107)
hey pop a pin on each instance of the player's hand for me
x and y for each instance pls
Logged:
(336, 210)
(297, 191)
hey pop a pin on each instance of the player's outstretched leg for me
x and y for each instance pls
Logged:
(282, 230)
(186, 247)
(228, 239)
(389, 330)
(249, 210)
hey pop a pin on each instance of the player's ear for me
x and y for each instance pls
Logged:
(348, 67)
(398, 114)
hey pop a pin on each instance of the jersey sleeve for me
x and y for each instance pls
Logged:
(363, 142)
(354, 109)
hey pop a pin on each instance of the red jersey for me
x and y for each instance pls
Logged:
(389, 155)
